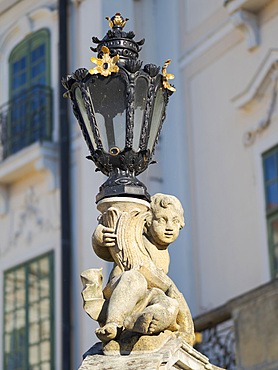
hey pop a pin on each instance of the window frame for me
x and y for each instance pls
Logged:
(20, 132)
(23, 48)
(51, 276)
(271, 214)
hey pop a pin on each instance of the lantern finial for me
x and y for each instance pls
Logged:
(117, 21)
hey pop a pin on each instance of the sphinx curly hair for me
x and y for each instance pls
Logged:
(164, 201)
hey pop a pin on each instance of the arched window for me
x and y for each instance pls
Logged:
(29, 109)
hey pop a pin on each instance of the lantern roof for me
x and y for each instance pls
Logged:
(118, 41)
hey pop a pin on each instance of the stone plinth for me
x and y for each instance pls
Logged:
(174, 354)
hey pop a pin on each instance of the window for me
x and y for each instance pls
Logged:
(28, 316)
(270, 162)
(29, 109)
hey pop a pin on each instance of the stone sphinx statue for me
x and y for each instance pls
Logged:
(139, 300)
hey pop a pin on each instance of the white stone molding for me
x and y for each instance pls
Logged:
(265, 76)
(50, 168)
(249, 24)
(3, 200)
(247, 15)
(22, 27)
(36, 157)
(250, 136)
(244, 15)
(251, 5)
(5, 4)
(205, 43)
(25, 24)
(43, 12)
(259, 83)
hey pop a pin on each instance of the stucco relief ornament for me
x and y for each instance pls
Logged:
(31, 222)
(249, 137)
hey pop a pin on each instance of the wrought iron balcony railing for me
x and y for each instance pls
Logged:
(25, 119)
(217, 340)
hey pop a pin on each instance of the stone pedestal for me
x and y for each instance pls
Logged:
(174, 354)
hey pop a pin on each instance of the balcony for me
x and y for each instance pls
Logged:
(26, 144)
(242, 334)
(25, 119)
(217, 340)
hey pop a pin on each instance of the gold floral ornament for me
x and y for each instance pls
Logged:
(167, 76)
(117, 20)
(106, 65)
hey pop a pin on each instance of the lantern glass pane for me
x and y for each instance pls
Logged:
(156, 118)
(108, 96)
(83, 112)
(140, 97)
(102, 130)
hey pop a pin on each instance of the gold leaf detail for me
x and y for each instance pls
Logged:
(105, 65)
(167, 76)
(110, 22)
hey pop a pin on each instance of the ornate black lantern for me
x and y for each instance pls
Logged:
(120, 109)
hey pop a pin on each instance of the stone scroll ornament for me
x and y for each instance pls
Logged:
(140, 307)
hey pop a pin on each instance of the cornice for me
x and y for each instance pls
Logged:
(38, 157)
(34, 158)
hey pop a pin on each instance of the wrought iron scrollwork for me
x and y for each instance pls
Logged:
(218, 344)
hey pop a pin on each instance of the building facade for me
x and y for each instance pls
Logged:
(218, 154)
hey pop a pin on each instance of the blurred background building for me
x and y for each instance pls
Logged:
(218, 154)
